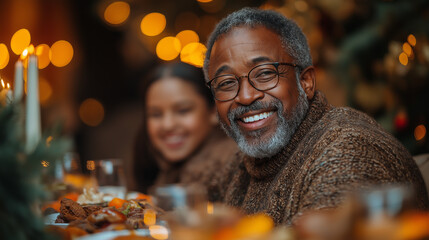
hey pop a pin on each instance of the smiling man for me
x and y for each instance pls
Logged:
(298, 152)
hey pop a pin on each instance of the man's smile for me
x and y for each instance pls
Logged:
(255, 120)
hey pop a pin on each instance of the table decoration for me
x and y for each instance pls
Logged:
(20, 190)
(18, 81)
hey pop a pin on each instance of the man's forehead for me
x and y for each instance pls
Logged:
(249, 45)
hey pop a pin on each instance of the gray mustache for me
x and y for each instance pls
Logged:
(258, 105)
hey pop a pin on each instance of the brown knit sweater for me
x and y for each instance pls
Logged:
(201, 166)
(334, 151)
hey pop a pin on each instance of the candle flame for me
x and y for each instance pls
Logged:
(27, 51)
(31, 49)
(24, 54)
(2, 83)
(8, 85)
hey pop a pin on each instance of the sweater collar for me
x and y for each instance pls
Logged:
(269, 167)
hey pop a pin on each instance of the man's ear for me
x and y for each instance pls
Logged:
(308, 81)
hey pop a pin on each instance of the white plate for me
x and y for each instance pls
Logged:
(109, 235)
(50, 220)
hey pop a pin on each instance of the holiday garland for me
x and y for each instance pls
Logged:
(20, 173)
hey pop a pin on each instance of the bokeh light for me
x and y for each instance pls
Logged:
(20, 40)
(158, 232)
(42, 52)
(45, 163)
(168, 48)
(117, 12)
(91, 112)
(61, 53)
(204, 1)
(193, 53)
(301, 6)
(412, 40)
(90, 165)
(187, 36)
(49, 140)
(149, 217)
(4, 56)
(212, 6)
(26, 52)
(407, 49)
(153, 24)
(45, 91)
(403, 59)
(420, 132)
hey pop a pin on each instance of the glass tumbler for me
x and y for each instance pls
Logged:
(109, 178)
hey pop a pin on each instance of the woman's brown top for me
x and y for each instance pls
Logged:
(202, 165)
(333, 152)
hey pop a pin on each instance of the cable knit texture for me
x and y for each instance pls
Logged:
(333, 152)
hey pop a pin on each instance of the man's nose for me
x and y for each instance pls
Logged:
(247, 94)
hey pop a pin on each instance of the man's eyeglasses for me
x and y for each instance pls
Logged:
(262, 77)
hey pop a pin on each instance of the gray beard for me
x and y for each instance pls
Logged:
(286, 126)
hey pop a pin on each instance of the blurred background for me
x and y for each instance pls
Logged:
(372, 55)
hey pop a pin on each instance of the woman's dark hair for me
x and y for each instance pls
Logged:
(144, 164)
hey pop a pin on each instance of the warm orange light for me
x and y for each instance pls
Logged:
(45, 91)
(42, 52)
(254, 225)
(168, 48)
(212, 6)
(4, 56)
(187, 36)
(412, 40)
(149, 217)
(204, 1)
(27, 51)
(403, 59)
(153, 24)
(301, 5)
(407, 49)
(90, 165)
(49, 140)
(7, 85)
(193, 53)
(2, 83)
(91, 112)
(420, 132)
(45, 163)
(117, 12)
(24, 54)
(210, 208)
(61, 53)
(20, 40)
(158, 232)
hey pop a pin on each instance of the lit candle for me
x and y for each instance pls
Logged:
(18, 86)
(5, 94)
(32, 118)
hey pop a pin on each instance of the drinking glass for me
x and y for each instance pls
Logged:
(108, 175)
(186, 210)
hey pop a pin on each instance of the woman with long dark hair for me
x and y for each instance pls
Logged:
(180, 140)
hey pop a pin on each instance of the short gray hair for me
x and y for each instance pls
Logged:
(293, 39)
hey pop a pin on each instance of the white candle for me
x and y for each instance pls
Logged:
(18, 85)
(32, 117)
(5, 94)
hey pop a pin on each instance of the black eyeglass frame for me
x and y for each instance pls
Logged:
(275, 64)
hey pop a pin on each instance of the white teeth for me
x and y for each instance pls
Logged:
(173, 139)
(257, 117)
